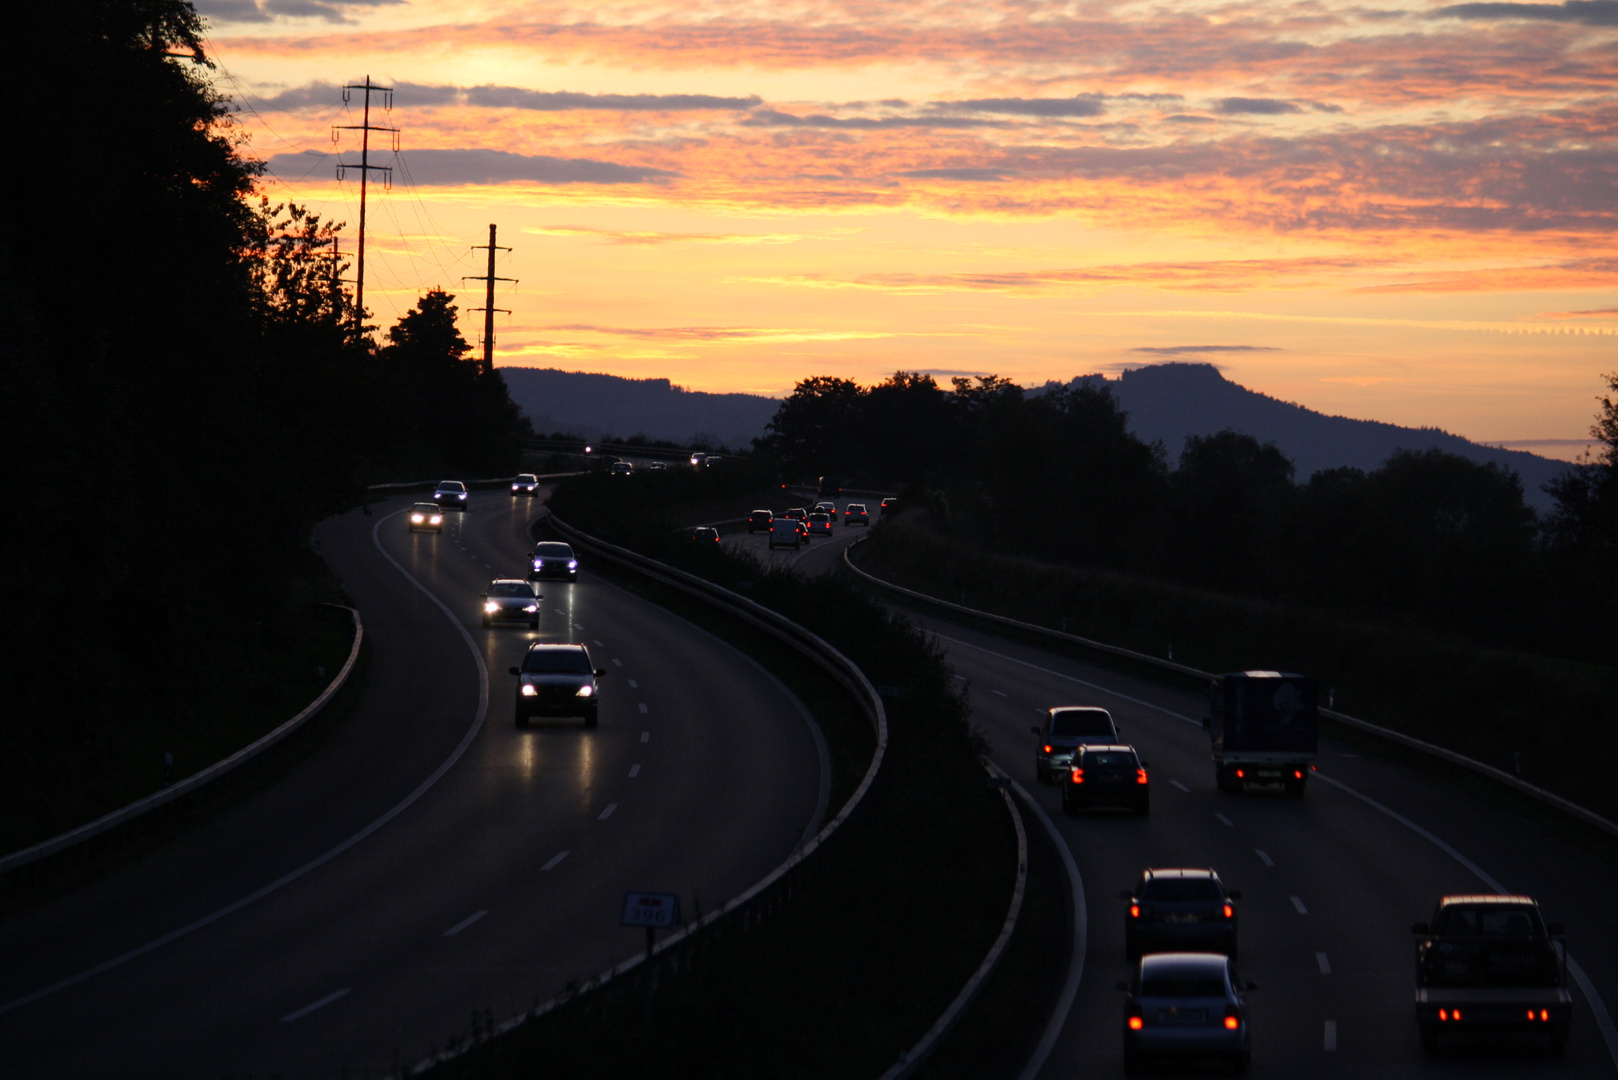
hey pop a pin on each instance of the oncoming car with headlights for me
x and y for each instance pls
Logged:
(426, 516)
(451, 494)
(553, 559)
(557, 680)
(524, 484)
(511, 600)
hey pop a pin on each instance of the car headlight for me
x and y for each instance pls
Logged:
(573, 564)
(586, 691)
(490, 606)
(513, 487)
(528, 690)
(438, 519)
(416, 519)
(460, 495)
(531, 608)
(539, 564)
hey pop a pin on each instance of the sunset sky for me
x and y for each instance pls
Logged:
(1400, 212)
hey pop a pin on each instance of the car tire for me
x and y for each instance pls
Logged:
(1144, 809)
(1042, 774)
(487, 621)
(1233, 951)
(1070, 807)
(1131, 951)
(522, 719)
(1132, 1062)
(591, 718)
(533, 624)
(1558, 1040)
(1239, 1062)
(1429, 1038)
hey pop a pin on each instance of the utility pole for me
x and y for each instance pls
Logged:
(488, 307)
(365, 127)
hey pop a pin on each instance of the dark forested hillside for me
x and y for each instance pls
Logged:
(594, 405)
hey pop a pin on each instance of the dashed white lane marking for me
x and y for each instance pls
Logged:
(1181, 786)
(1263, 856)
(962, 678)
(634, 771)
(1297, 902)
(598, 641)
(299, 1014)
(464, 923)
(576, 626)
(607, 813)
(1224, 820)
(633, 685)
(1331, 1036)
(1325, 964)
(555, 861)
(643, 708)
(646, 736)
(617, 662)
(1001, 693)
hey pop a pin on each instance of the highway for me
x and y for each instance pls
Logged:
(1330, 883)
(430, 860)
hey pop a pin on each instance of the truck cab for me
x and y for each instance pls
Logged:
(1491, 962)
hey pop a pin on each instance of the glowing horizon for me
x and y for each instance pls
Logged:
(1400, 214)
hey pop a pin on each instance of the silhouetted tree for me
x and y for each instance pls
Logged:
(816, 429)
(1231, 499)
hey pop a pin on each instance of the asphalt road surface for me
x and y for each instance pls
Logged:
(431, 860)
(1330, 883)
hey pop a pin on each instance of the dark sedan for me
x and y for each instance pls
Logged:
(553, 559)
(1179, 909)
(1187, 1005)
(1108, 775)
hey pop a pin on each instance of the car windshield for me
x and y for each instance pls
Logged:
(1078, 722)
(510, 588)
(818, 517)
(1182, 986)
(526, 478)
(557, 662)
(1112, 759)
(452, 485)
(553, 551)
(1181, 890)
(1488, 920)
(425, 508)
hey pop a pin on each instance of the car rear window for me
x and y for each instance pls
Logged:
(557, 662)
(1073, 724)
(553, 551)
(1488, 920)
(1181, 890)
(510, 588)
(1182, 987)
(452, 485)
(1112, 759)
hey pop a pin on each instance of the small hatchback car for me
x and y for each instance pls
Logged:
(1186, 1005)
(760, 521)
(451, 494)
(1179, 909)
(511, 600)
(557, 680)
(426, 517)
(524, 484)
(1107, 775)
(1065, 727)
(819, 525)
(707, 533)
(856, 514)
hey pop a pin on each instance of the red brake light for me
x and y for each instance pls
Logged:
(1047, 749)
(1134, 911)
(1544, 1014)
(1230, 912)
(1530, 1014)
(1140, 776)
(1240, 774)
(1443, 1014)
(1135, 1023)
(1078, 776)
(1233, 1019)
(1298, 773)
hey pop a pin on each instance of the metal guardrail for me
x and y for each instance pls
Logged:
(1550, 798)
(197, 779)
(491, 482)
(774, 885)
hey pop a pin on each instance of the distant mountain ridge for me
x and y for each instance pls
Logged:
(592, 405)
(1173, 400)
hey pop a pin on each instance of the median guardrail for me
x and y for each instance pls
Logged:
(197, 779)
(1549, 798)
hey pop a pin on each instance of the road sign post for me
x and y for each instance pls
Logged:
(652, 910)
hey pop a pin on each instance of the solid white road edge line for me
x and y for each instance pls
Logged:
(464, 923)
(607, 813)
(634, 771)
(1263, 856)
(320, 860)
(555, 860)
(1331, 1036)
(1297, 902)
(298, 1014)
(1223, 820)
(1325, 964)
(1081, 934)
(1181, 786)
(1598, 1008)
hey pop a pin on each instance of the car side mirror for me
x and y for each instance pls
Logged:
(1035, 729)
(1125, 894)
(1234, 894)
(1146, 764)
(1554, 929)
(601, 672)
(1419, 928)
(516, 671)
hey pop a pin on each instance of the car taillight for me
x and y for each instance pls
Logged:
(1233, 1019)
(1134, 911)
(1240, 774)
(1140, 776)
(1078, 776)
(1047, 749)
(1230, 912)
(1445, 1014)
(1135, 1022)
(1297, 774)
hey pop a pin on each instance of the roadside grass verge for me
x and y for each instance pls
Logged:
(1487, 704)
(249, 677)
(879, 929)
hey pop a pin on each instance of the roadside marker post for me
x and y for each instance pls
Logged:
(652, 910)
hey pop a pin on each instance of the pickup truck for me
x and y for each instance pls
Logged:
(1491, 962)
(1264, 726)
